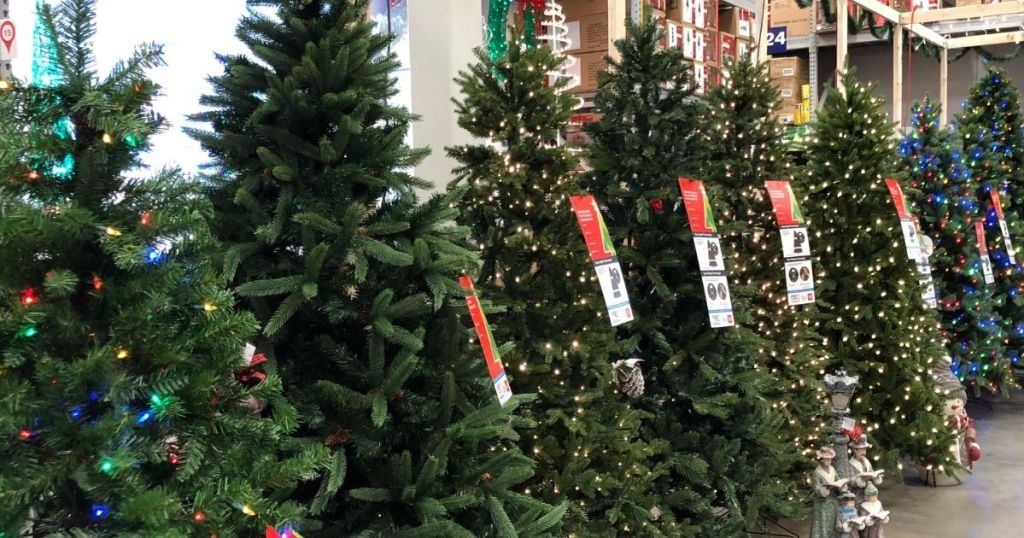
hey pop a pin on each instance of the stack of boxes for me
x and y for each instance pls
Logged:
(789, 75)
(735, 35)
(691, 28)
(588, 29)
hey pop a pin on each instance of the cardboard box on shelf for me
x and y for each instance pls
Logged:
(789, 88)
(743, 47)
(700, 77)
(574, 132)
(736, 21)
(788, 13)
(689, 41)
(700, 46)
(574, 9)
(726, 46)
(788, 111)
(712, 49)
(700, 13)
(588, 33)
(788, 66)
(695, 12)
(674, 34)
(586, 68)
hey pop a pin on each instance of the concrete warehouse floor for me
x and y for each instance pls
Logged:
(990, 504)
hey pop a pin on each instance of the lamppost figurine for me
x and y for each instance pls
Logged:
(860, 466)
(840, 389)
(876, 516)
(827, 485)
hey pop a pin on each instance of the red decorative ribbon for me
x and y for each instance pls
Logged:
(249, 374)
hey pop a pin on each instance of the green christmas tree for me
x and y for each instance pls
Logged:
(535, 265)
(356, 283)
(708, 388)
(871, 313)
(121, 407)
(990, 129)
(944, 190)
(746, 149)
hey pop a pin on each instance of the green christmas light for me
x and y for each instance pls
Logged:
(107, 466)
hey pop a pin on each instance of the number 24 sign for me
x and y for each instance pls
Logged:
(777, 40)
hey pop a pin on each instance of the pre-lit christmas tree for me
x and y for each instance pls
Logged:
(746, 149)
(352, 278)
(122, 413)
(945, 189)
(708, 389)
(535, 265)
(871, 313)
(990, 128)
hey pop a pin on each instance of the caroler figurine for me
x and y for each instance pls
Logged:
(827, 485)
(848, 520)
(874, 515)
(862, 472)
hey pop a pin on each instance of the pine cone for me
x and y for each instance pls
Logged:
(338, 436)
(629, 377)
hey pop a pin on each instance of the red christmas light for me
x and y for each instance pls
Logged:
(198, 516)
(174, 459)
(146, 218)
(33, 176)
(97, 283)
(29, 297)
(26, 434)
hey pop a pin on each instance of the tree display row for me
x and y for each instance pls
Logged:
(284, 349)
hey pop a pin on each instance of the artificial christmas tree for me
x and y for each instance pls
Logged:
(534, 265)
(945, 189)
(746, 150)
(870, 309)
(990, 129)
(707, 388)
(352, 278)
(120, 344)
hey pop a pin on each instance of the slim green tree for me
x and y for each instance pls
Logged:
(120, 410)
(746, 149)
(352, 278)
(709, 390)
(945, 189)
(535, 265)
(871, 313)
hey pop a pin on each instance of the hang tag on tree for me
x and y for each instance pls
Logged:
(602, 253)
(910, 237)
(483, 334)
(986, 262)
(997, 204)
(710, 257)
(796, 243)
(924, 269)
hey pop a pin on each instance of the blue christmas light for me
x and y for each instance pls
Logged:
(144, 416)
(154, 255)
(76, 412)
(99, 512)
(94, 396)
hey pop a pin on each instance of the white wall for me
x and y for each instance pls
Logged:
(442, 34)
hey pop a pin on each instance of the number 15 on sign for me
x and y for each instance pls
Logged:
(8, 45)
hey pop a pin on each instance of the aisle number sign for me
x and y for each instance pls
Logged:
(8, 41)
(1003, 228)
(796, 243)
(602, 253)
(490, 349)
(777, 40)
(913, 242)
(710, 257)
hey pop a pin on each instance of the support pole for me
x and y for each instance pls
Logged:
(944, 86)
(842, 33)
(762, 31)
(897, 75)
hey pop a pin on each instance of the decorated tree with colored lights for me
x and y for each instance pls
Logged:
(990, 128)
(709, 390)
(122, 412)
(535, 265)
(746, 149)
(945, 189)
(872, 318)
(355, 283)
